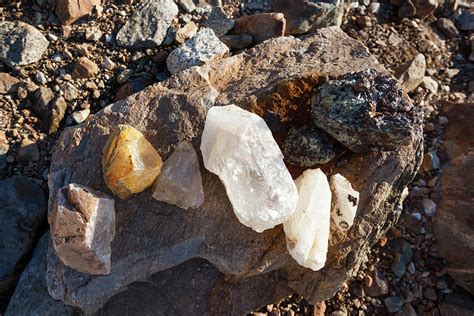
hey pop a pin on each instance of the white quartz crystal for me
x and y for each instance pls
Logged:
(307, 231)
(344, 202)
(238, 146)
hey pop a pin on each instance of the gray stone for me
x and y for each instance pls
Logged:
(306, 147)
(8, 84)
(204, 47)
(237, 41)
(148, 25)
(50, 108)
(219, 22)
(21, 44)
(412, 73)
(31, 295)
(22, 210)
(350, 110)
(447, 27)
(403, 255)
(393, 304)
(179, 181)
(154, 237)
(187, 5)
(464, 20)
(28, 151)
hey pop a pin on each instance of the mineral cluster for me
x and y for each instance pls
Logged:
(180, 182)
(344, 202)
(307, 231)
(82, 227)
(130, 163)
(239, 147)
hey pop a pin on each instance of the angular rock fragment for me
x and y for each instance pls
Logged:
(204, 47)
(21, 44)
(238, 146)
(82, 228)
(307, 147)
(412, 73)
(344, 202)
(69, 11)
(130, 163)
(365, 110)
(219, 22)
(85, 68)
(179, 181)
(8, 84)
(307, 230)
(237, 41)
(261, 26)
(148, 25)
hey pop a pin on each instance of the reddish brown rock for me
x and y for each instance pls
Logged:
(85, 68)
(69, 11)
(8, 83)
(261, 26)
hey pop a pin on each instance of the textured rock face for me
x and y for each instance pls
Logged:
(69, 11)
(307, 230)
(130, 163)
(412, 73)
(21, 44)
(21, 211)
(82, 227)
(365, 110)
(261, 26)
(344, 202)
(276, 76)
(148, 25)
(204, 47)
(7, 83)
(237, 146)
(179, 181)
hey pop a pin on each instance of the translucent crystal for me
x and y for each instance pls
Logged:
(82, 228)
(238, 146)
(130, 163)
(344, 202)
(307, 231)
(180, 182)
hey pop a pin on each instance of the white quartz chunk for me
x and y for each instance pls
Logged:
(344, 202)
(238, 146)
(307, 231)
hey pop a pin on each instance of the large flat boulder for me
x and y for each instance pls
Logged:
(276, 80)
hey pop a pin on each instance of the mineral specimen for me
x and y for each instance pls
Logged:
(307, 230)
(180, 182)
(307, 147)
(365, 110)
(344, 202)
(238, 146)
(130, 163)
(82, 228)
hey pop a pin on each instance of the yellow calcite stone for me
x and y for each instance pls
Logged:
(130, 163)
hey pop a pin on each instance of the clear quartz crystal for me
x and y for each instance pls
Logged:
(307, 231)
(238, 146)
(344, 202)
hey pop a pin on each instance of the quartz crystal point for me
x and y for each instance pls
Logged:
(307, 230)
(238, 146)
(130, 163)
(180, 182)
(82, 228)
(344, 202)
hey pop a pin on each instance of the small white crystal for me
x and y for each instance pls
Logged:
(238, 146)
(344, 202)
(307, 231)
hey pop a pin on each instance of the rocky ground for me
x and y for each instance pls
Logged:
(84, 69)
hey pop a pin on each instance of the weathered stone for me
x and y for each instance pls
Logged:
(80, 116)
(464, 20)
(8, 84)
(261, 26)
(21, 44)
(219, 22)
(153, 237)
(412, 73)
(179, 181)
(307, 230)
(378, 285)
(85, 68)
(204, 47)
(187, 5)
(237, 146)
(4, 147)
(22, 210)
(365, 110)
(307, 147)
(131, 87)
(82, 227)
(344, 202)
(50, 108)
(28, 151)
(186, 32)
(69, 11)
(447, 27)
(237, 41)
(403, 255)
(148, 25)
(130, 163)
(393, 304)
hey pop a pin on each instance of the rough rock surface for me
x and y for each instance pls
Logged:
(21, 44)
(179, 181)
(412, 73)
(82, 227)
(344, 202)
(261, 26)
(204, 47)
(23, 206)
(454, 227)
(219, 22)
(69, 11)
(7, 83)
(148, 25)
(283, 69)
